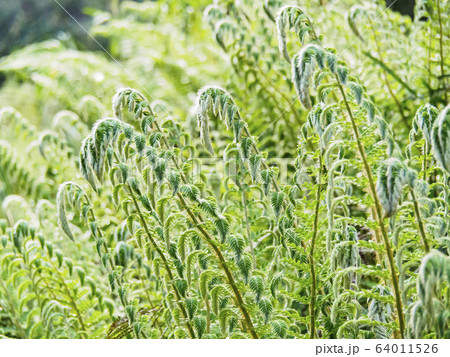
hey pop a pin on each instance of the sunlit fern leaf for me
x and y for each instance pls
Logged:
(266, 308)
(267, 177)
(213, 12)
(160, 170)
(204, 280)
(342, 71)
(429, 311)
(391, 179)
(237, 244)
(277, 201)
(134, 101)
(209, 206)
(245, 267)
(95, 147)
(432, 271)
(223, 28)
(182, 286)
(303, 67)
(191, 307)
(279, 328)
(216, 293)
(174, 179)
(345, 255)
(200, 325)
(72, 193)
(140, 142)
(225, 315)
(357, 91)
(256, 284)
(440, 139)
(352, 16)
(424, 120)
(216, 101)
(245, 146)
(85, 159)
(254, 164)
(48, 139)
(418, 320)
(379, 311)
(275, 282)
(293, 17)
(20, 232)
(223, 227)
(190, 191)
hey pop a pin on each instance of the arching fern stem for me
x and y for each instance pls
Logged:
(378, 211)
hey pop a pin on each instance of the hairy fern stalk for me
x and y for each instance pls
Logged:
(181, 220)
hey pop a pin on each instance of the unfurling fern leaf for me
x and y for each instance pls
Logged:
(72, 193)
(275, 282)
(440, 139)
(354, 12)
(216, 101)
(303, 66)
(391, 178)
(424, 120)
(296, 19)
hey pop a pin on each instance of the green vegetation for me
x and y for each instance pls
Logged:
(250, 169)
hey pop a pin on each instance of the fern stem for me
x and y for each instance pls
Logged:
(378, 211)
(255, 147)
(155, 322)
(238, 296)
(425, 161)
(423, 235)
(208, 315)
(14, 318)
(163, 258)
(31, 276)
(312, 303)
(247, 226)
(72, 300)
(239, 299)
(441, 47)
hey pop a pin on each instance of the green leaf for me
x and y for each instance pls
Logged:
(200, 325)
(265, 306)
(257, 286)
(277, 200)
(245, 267)
(191, 307)
(237, 244)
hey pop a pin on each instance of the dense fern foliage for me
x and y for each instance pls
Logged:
(236, 169)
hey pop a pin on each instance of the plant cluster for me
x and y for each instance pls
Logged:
(349, 240)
